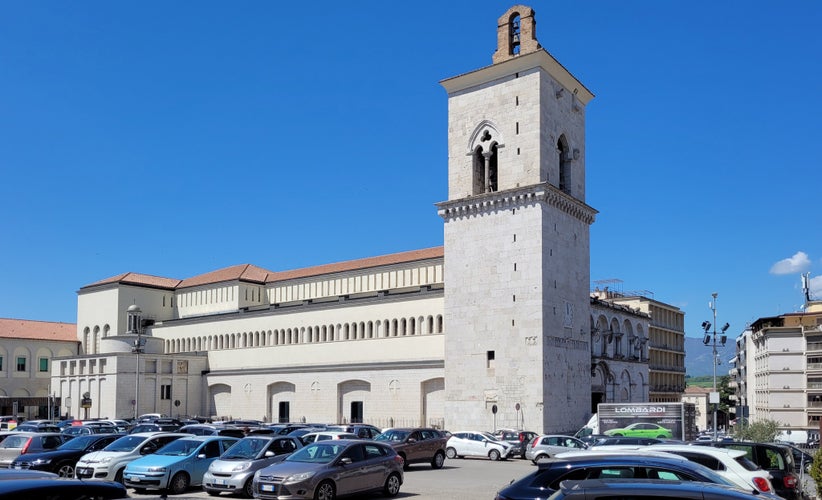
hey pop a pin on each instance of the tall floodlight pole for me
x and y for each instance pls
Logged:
(710, 339)
(134, 328)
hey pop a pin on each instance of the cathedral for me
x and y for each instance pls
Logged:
(496, 327)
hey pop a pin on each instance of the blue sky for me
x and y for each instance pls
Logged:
(176, 138)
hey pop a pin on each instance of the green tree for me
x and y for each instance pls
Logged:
(761, 431)
(816, 472)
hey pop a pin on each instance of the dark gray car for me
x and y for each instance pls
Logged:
(19, 443)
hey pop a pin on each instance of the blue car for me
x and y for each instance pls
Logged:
(177, 465)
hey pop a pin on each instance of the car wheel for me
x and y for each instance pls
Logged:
(493, 455)
(662, 437)
(119, 476)
(179, 483)
(451, 453)
(248, 488)
(538, 458)
(438, 460)
(65, 469)
(325, 491)
(392, 485)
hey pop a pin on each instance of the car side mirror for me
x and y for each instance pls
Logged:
(269, 454)
(346, 461)
(201, 455)
(411, 440)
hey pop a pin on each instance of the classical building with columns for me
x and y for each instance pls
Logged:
(497, 325)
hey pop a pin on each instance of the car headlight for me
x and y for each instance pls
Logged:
(106, 460)
(241, 466)
(41, 461)
(156, 469)
(296, 478)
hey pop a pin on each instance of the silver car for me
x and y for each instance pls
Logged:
(234, 470)
(546, 446)
(326, 469)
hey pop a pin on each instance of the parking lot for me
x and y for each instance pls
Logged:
(458, 479)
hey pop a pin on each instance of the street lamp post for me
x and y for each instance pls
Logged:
(706, 325)
(134, 328)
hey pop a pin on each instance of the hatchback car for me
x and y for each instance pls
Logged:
(477, 444)
(177, 465)
(542, 447)
(234, 470)
(109, 463)
(325, 436)
(592, 465)
(362, 431)
(21, 443)
(327, 469)
(731, 464)
(63, 459)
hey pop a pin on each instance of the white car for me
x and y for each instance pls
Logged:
(108, 464)
(548, 445)
(476, 444)
(325, 436)
(728, 463)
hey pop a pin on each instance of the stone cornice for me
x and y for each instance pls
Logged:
(513, 198)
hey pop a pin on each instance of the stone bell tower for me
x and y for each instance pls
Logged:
(517, 320)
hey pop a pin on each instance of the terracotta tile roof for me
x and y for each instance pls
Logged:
(139, 279)
(242, 272)
(254, 274)
(381, 260)
(37, 330)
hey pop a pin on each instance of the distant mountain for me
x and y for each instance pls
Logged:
(698, 357)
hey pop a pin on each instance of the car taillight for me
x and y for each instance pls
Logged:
(790, 481)
(25, 446)
(761, 484)
(534, 442)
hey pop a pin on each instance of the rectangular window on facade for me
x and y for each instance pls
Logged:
(284, 412)
(490, 356)
(165, 391)
(21, 364)
(44, 364)
(1, 363)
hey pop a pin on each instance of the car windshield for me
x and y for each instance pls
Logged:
(395, 436)
(180, 447)
(125, 443)
(318, 453)
(78, 443)
(245, 449)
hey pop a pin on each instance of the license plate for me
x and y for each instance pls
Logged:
(267, 487)
(134, 479)
(220, 481)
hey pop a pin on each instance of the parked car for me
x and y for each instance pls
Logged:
(622, 441)
(642, 429)
(63, 459)
(37, 427)
(546, 446)
(234, 470)
(327, 469)
(519, 440)
(176, 466)
(211, 430)
(156, 426)
(774, 458)
(729, 463)
(325, 436)
(802, 460)
(609, 465)
(60, 489)
(476, 444)
(21, 443)
(363, 431)
(650, 489)
(416, 445)
(109, 463)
